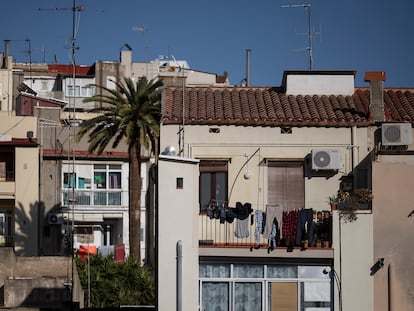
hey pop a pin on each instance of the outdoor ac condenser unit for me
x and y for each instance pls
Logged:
(326, 159)
(396, 134)
(54, 219)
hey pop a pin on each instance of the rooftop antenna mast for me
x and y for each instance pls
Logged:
(73, 48)
(307, 6)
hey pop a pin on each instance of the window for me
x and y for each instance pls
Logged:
(73, 91)
(110, 82)
(213, 182)
(77, 91)
(44, 85)
(69, 180)
(262, 287)
(87, 91)
(286, 184)
(107, 176)
(99, 184)
(6, 224)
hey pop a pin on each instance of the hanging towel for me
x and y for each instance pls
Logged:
(242, 228)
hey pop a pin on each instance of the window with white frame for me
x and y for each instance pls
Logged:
(73, 91)
(263, 287)
(80, 91)
(97, 184)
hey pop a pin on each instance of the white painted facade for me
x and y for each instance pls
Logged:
(177, 223)
(352, 249)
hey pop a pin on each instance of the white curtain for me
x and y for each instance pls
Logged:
(248, 297)
(215, 296)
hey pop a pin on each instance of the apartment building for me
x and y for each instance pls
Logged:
(265, 154)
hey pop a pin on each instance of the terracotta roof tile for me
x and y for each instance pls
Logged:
(255, 106)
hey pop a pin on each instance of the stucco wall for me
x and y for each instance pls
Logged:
(353, 249)
(27, 213)
(238, 143)
(17, 127)
(177, 221)
(394, 232)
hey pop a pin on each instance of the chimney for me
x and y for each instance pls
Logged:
(376, 106)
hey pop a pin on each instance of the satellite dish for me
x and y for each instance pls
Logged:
(169, 150)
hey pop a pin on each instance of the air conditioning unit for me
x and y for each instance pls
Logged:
(396, 134)
(326, 159)
(54, 219)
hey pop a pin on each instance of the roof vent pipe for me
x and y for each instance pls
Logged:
(6, 53)
(248, 67)
(376, 106)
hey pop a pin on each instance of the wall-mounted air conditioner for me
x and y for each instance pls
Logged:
(54, 219)
(326, 159)
(396, 134)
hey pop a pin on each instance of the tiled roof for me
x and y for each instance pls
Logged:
(264, 106)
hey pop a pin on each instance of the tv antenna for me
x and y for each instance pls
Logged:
(307, 6)
(75, 18)
(144, 31)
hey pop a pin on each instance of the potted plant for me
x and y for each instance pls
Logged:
(363, 196)
(350, 202)
(333, 201)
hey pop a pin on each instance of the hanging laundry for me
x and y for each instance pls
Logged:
(242, 228)
(242, 211)
(304, 225)
(259, 217)
(273, 235)
(290, 220)
(272, 212)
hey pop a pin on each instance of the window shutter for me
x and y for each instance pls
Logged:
(286, 185)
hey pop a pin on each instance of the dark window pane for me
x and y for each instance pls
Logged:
(213, 182)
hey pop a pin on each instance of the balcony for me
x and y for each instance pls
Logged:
(216, 234)
(91, 198)
(6, 241)
(7, 184)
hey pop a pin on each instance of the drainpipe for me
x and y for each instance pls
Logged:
(354, 155)
(179, 274)
(376, 106)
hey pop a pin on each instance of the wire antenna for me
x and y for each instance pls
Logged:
(307, 6)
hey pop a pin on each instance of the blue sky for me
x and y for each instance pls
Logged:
(360, 35)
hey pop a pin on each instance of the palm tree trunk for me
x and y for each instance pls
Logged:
(135, 184)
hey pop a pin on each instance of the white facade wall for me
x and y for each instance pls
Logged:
(353, 248)
(177, 221)
(6, 90)
(43, 86)
(320, 84)
(239, 143)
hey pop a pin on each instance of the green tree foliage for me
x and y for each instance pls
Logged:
(114, 284)
(131, 113)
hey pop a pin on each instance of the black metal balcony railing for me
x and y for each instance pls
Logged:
(92, 198)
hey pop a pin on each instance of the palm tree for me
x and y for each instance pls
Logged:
(132, 112)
